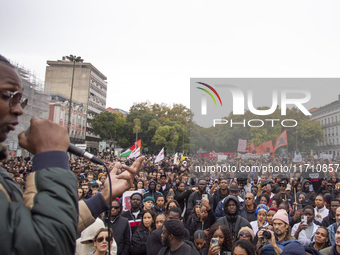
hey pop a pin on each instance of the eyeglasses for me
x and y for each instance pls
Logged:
(245, 234)
(248, 198)
(116, 207)
(15, 98)
(101, 239)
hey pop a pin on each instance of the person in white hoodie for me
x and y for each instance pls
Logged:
(304, 232)
(84, 244)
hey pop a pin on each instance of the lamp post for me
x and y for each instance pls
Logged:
(74, 59)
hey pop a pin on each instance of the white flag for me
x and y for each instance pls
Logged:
(176, 158)
(160, 155)
(135, 153)
(298, 157)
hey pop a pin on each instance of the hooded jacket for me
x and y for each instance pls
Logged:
(152, 193)
(234, 222)
(219, 212)
(84, 245)
(306, 190)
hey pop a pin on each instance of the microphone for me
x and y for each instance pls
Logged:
(78, 152)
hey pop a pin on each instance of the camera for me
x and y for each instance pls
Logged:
(267, 234)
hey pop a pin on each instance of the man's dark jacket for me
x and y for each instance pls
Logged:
(122, 234)
(133, 222)
(248, 214)
(217, 197)
(233, 222)
(154, 243)
(329, 220)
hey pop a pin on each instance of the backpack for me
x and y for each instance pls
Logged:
(269, 250)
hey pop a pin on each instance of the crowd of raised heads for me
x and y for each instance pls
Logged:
(174, 209)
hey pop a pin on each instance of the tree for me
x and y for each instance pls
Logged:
(110, 127)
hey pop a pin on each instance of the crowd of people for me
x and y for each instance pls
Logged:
(214, 213)
(54, 204)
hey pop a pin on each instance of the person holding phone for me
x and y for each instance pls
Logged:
(305, 231)
(219, 240)
(205, 220)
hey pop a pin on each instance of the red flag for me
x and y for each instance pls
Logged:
(264, 148)
(281, 141)
(251, 148)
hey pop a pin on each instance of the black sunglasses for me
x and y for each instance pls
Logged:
(247, 198)
(245, 234)
(101, 239)
(116, 207)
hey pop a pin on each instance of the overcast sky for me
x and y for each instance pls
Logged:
(149, 50)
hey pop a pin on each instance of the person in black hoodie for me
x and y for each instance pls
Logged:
(121, 228)
(305, 187)
(232, 219)
(182, 194)
(330, 219)
(205, 221)
(142, 233)
(152, 192)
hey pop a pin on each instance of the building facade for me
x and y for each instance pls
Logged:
(329, 118)
(89, 90)
(58, 113)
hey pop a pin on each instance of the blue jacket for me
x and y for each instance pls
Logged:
(331, 233)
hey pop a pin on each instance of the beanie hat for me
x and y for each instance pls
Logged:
(149, 199)
(175, 227)
(281, 215)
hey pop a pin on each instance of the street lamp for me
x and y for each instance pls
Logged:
(74, 59)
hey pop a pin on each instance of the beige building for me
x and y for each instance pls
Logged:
(329, 118)
(58, 113)
(89, 89)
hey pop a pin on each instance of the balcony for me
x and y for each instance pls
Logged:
(332, 124)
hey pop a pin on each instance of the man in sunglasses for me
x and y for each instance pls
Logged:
(121, 228)
(45, 217)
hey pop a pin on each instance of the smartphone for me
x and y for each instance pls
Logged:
(214, 242)
(310, 187)
(299, 207)
(304, 220)
(205, 196)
